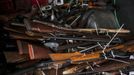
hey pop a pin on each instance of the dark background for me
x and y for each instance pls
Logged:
(125, 9)
(125, 15)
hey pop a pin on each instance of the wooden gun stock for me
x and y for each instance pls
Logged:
(77, 56)
(63, 56)
(85, 57)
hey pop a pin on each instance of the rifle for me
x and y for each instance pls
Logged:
(77, 56)
(110, 66)
(66, 30)
(113, 66)
(44, 27)
(22, 34)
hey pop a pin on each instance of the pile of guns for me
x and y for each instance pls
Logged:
(75, 37)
